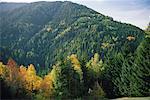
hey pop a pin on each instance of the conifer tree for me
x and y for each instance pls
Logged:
(142, 66)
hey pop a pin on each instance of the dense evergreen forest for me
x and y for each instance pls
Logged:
(63, 50)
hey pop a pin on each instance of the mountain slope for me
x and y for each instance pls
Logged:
(44, 32)
(5, 7)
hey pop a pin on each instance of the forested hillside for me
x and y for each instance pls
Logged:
(63, 50)
(43, 32)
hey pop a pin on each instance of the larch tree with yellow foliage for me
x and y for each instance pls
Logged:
(3, 70)
(47, 85)
(33, 82)
(76, 65)
(95, 66)
(94, 71)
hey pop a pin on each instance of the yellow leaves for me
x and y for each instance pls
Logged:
(76, 65)
(37, 83)
(75, 61)
(47, 85)
(47, 81)
(22, 70)
(33, 82)
(55, 72)
(31, 70)
(95, 65)
(3, 70)
(26, 78)
(130, 38)
(22, 75)
(96, 58)
(105, 45)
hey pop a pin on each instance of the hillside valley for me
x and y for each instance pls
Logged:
(71, 51)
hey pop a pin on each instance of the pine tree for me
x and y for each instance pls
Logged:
(129, 75)
(142, 66)
(119, 76)
(97, 91)
(67, 82)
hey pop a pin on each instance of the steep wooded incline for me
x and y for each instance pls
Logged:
(43, 32)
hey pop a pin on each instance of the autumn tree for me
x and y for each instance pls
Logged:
(3, 70)
(94, 71)
(11, 63)
(13, 71)
(95, 66)
(47, 86)
(33, 82)
(22, 74)
(12, 79)
(4, 90)
(76, 65)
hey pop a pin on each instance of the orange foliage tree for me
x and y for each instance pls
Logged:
(47, 85)
(25, 78)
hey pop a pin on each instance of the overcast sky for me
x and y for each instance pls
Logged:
(136, 12)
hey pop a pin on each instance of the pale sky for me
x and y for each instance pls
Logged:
(136, 12)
